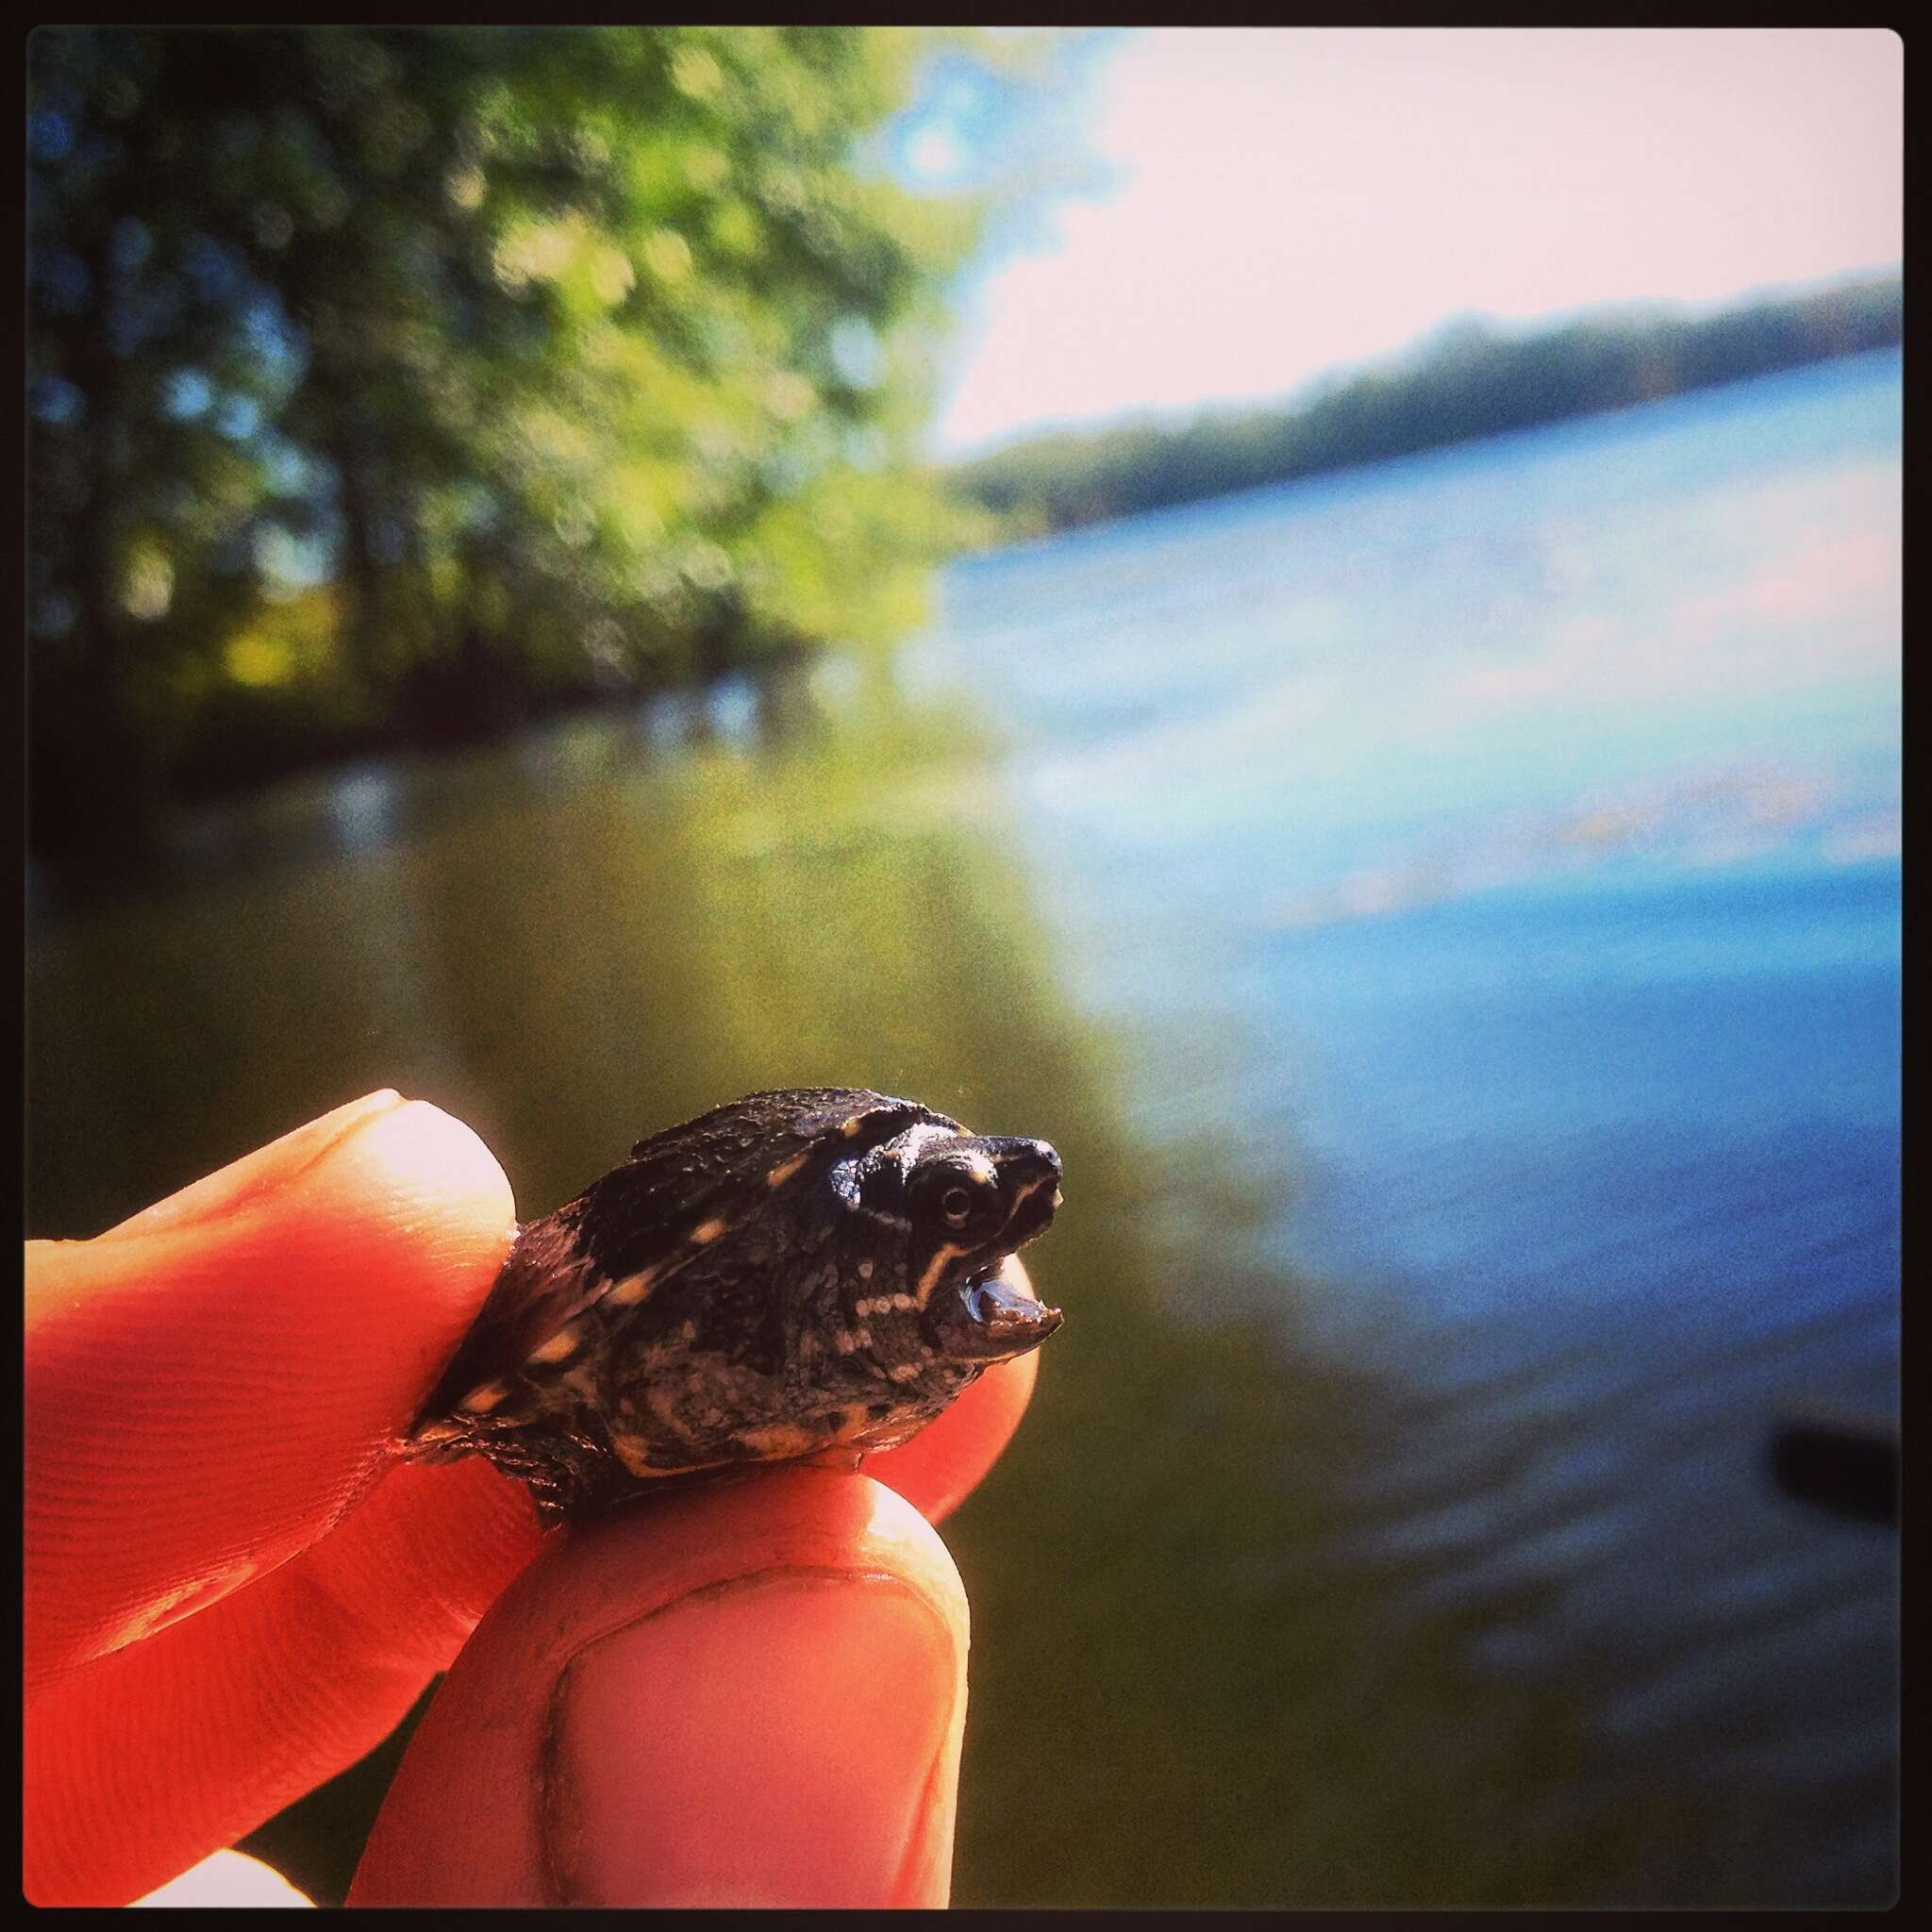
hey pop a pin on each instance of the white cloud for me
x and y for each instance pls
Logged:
(1293, 199)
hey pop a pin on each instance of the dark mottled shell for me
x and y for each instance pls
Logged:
(642, 1212)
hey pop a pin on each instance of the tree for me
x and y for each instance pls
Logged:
(1462, 382)
(397, 382)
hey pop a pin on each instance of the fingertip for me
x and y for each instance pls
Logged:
(257, 1348)
(257, 1173)
(946, 1461)
(753, 1694)
(228, 1879)
(830, 1696)
(415, 1170)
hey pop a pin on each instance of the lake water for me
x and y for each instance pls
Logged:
(1503, 846)
(1447, 915)
(1530, 814)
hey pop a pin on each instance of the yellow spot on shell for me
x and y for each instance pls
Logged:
(779, 1176)
(564, 1343)
(707, 1232)
(781, 1439)
(482, 1400)
(633, 1288)
(853, 1125)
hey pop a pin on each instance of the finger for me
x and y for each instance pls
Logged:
(941, 1465)
(146, 1760)
(228, 1878)
(255, 1174)
(211, 1385)
(752, 1695)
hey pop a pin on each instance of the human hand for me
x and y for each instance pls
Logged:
(750, 1695)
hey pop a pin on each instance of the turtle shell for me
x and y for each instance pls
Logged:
(793, 1272)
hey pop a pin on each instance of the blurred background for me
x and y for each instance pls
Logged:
(1311, 615)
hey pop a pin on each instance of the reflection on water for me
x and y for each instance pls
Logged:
(1389, 1527)
(1172, 1650)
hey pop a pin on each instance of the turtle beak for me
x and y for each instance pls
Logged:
(1000, 1321)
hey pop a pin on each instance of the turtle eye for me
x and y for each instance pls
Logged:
(959, 1201)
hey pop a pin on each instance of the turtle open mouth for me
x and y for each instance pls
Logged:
(998, 1321)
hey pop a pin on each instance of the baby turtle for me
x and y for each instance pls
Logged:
(809, 1269)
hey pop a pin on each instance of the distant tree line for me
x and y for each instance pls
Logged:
(387, 385)
(1470, 380)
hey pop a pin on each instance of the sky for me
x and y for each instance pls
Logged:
(1217, 214)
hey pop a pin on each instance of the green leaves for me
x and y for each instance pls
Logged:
(600, 352)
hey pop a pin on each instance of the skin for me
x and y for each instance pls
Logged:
(749, 1695)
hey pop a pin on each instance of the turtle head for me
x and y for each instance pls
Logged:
(954, 1207)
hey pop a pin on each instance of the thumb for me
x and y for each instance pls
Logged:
(751, 1695)
(214, 1383)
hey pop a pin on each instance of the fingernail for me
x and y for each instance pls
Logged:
(790, 1739)
(268, 1167)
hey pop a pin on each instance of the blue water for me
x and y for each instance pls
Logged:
(1530, 807)
(1499, 851)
